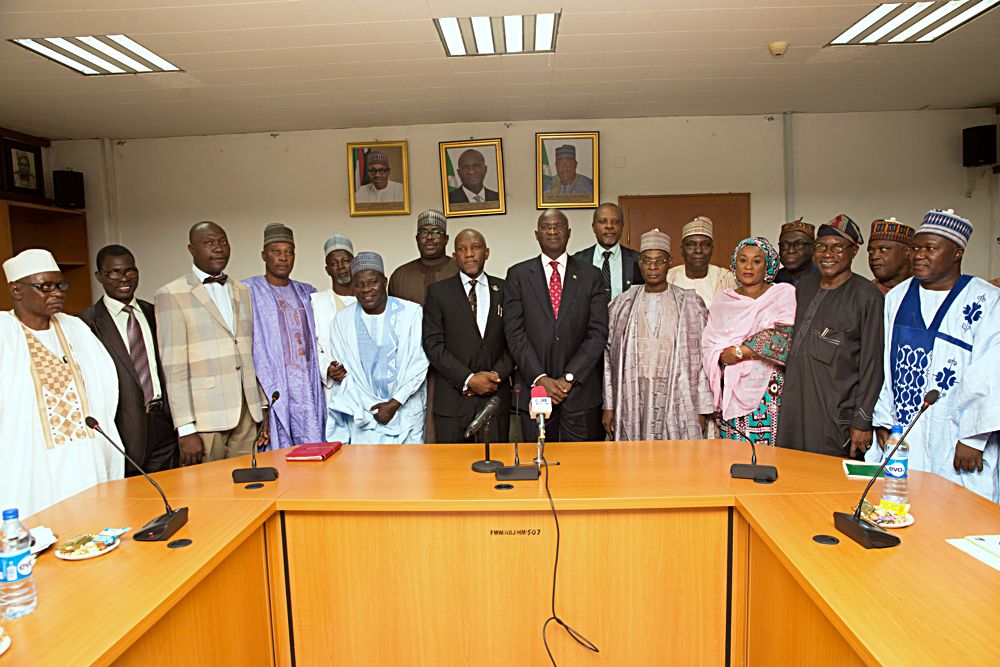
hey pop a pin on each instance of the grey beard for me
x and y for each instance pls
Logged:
(342, 282)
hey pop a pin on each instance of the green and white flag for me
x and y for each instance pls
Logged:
(454, 182)
(546, 167)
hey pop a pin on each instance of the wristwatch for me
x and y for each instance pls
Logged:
(738, 351)
(569, 378)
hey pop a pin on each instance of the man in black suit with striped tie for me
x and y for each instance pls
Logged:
(619, 266)
(464, 340)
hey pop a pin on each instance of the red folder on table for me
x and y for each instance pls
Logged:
(319, 451)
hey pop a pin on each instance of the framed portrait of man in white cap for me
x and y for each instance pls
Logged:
(378, 178)
(567, 169)
(472, 177)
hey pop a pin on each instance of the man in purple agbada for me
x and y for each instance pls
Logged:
(284, 344)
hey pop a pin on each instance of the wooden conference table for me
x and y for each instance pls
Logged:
(389, 555)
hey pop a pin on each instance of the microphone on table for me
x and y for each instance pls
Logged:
(863, 532)
(758, 473)
(163, 526)
(517, 471)
(539, 408)
(482, 422)
(253, 473)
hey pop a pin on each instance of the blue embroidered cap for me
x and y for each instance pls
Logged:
(947, 224)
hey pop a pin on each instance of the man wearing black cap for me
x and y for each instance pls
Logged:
(834, 371)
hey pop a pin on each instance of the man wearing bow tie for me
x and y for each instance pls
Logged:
(204, 324)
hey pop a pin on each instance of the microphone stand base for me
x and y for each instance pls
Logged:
(487, 465)
(162, 527)
(517, 473)
(244, 475)
(758, 473)
(866, 534)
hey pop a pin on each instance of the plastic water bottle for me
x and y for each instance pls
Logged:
(896, 488)
(17, 588)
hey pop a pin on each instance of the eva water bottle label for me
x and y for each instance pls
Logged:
(16, 566)
(897, 468)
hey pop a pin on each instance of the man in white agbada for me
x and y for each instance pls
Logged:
(942, 332)
(55, 373)
(339, 253)
(382, 397)
(697, 243)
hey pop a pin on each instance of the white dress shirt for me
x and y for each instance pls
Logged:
(120, 318)
(482, 306)
(471, 196)
(614, 263)
(547, 267)
(221, 295)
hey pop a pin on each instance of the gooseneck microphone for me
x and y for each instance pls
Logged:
(868, 534)
(253, 473)
(481, 422)
(517, 472)
(540, 407)
(163, 526)
(758, 473)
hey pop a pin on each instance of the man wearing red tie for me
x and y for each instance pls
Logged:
(556, 321)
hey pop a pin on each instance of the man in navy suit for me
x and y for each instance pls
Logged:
(619, 266)
(556, 318)
(465, 343)
(472, 172)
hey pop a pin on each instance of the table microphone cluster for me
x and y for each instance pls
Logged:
(253, 473)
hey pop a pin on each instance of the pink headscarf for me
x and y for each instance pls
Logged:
(731, 320)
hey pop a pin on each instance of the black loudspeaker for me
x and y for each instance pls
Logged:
(68, 189)
(979, 145)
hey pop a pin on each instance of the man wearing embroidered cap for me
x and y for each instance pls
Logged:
(796, 252)
(655, 387)
(411, 280)
(377, 339)
(567, 181)
(379, 189)
(697, 273)
(834, 371)
(284, 344)
(943, 333)
(55, 374)
(339, 252)
(889, 249)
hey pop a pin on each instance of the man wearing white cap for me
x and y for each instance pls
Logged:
(379, 189)
(697, 272)
(55, 374)
(339, 252)
(382, 398)
(942, 331)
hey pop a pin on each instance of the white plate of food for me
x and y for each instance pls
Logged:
(884, 518)
(84, 547)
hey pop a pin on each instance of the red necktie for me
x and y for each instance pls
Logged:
(555, 288)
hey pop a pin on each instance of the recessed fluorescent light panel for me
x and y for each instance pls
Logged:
(912, 22)
(499, 35)
(100, 55)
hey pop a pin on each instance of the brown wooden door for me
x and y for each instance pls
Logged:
(669, 213)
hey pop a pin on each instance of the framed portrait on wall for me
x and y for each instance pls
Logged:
(472, 177)
(567, 169)
(22, 165)
(378, 178)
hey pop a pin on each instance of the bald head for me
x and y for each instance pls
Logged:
(209, 247)
(469, 236)
(552, 233)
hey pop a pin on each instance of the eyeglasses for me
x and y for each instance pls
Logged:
(48, 286)
(378, 171)
(835, 248)
(430, 234)
(127, 274)
(653, 263)
(792, 245)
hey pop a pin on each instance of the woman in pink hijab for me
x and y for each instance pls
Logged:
(746, 344)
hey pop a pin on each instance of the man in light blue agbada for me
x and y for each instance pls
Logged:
(383, 397)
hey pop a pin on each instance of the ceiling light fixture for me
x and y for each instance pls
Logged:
(498, 35)
(81, 54)
(912, 22)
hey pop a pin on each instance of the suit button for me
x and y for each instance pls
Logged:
(557, 337)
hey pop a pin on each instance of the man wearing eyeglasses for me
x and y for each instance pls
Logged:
(126, 326)
(379, 188)
(834, 370)
(55, 374)
(795, 247)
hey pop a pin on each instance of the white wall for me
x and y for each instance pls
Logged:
(865, 165)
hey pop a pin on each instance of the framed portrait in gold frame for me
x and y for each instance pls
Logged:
(567, 169)
(472, 177)
(378, 175)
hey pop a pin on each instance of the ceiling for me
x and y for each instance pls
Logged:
(273, 65)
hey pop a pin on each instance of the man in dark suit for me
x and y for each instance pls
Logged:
(619, 266)
(465, 343)
(472, 172)
(127, 328)
(556, 320)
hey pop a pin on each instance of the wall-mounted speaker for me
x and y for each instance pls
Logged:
(67, 188)
(979, 145)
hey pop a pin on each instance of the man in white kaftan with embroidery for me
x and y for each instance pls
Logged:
(943, 332)
(55, 373)
(382, 397)
(339, 253)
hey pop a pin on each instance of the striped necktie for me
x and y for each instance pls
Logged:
(137, 350)
(606, 271)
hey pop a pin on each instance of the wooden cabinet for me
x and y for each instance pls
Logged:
(61, 231)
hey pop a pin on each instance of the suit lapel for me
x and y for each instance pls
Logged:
(569, 284)
(201, 294)
(457, 287)
(112, 338)
(541, 288)
(493, 317)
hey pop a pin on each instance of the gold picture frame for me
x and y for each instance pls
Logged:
(581, 150)
(366, 198)
(456, 178)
